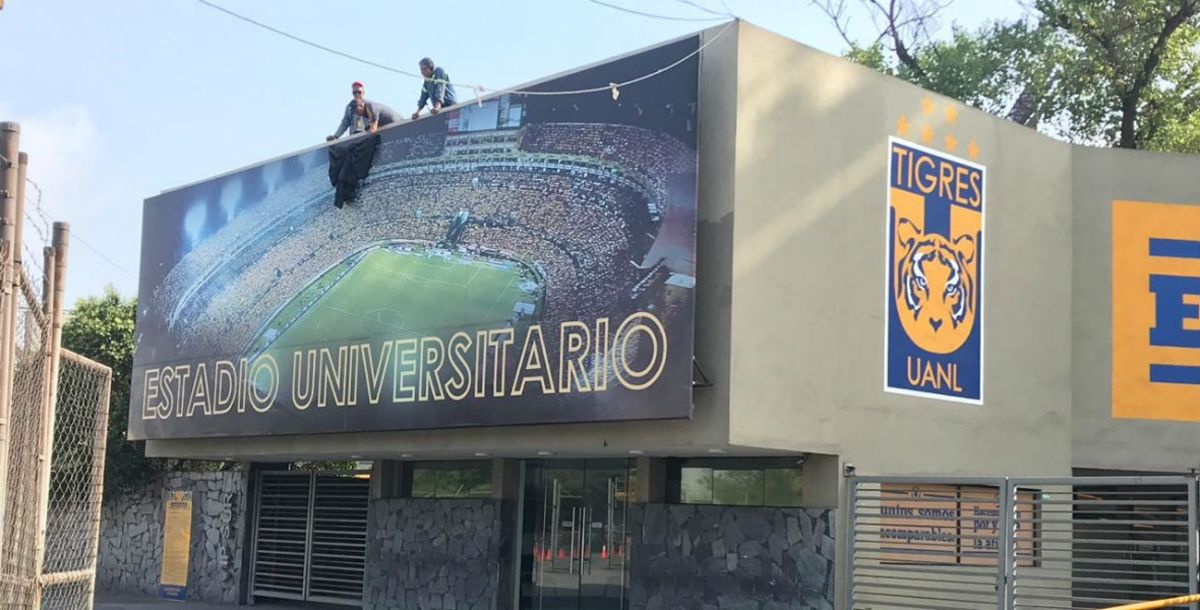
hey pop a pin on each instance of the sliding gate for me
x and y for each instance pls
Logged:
(1010, 543)
(310, 537)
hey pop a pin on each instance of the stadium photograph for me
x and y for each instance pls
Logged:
(515, 211)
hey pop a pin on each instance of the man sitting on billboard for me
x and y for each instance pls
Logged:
(363, 114)
(436, 89)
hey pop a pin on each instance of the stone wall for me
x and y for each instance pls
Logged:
(131, 536)
(731, 558)
(426, 554)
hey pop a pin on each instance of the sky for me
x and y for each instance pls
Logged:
(121, 100)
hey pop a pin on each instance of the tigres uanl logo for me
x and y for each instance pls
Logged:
(935, 218)
(935, 287)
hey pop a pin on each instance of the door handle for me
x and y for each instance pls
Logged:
(571, 556)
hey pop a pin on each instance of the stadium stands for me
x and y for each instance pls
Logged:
(575, 201)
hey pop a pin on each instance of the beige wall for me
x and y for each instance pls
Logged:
(808, 276)
(1101, 441)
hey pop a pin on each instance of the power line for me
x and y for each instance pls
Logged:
(37, 207)
(83, 241)
(728, 13)
(307, 42)
(656, 16)
(480, 89)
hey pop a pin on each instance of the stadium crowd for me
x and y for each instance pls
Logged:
(547, 203)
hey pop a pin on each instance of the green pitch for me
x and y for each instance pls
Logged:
(396, 294)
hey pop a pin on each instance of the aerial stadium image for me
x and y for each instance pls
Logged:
(533, 248)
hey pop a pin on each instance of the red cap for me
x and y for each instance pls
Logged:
(356, 83)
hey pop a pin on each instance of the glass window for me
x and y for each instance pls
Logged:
(783, 487)
(452, 480)
(696, 486)
(738, 487)
(740, 481)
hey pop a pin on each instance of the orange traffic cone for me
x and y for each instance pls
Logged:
(604, 552)
(561, 553)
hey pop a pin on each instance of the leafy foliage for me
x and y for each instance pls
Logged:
(1110, 72)
(102, 328)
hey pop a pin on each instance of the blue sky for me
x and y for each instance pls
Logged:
(121, 100)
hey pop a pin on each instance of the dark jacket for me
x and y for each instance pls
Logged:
(349, 163)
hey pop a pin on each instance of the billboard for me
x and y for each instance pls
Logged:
(1156, 311)
(934, 293)
(522, 259)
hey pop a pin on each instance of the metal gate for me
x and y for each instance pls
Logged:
(1019, 543)
(310, 538)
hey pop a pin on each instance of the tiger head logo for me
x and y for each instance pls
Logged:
(935, 287)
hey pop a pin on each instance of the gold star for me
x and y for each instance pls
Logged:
(927, 134)
(951, 114)
(973, 150)
(951, 142)
(927, 106)
(902, 125)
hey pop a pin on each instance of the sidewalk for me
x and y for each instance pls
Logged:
(107, 601)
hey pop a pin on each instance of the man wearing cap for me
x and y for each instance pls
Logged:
(363, 114)
(436, 89)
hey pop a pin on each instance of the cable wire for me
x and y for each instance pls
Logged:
(83, 241)
(656, 16)
(479, 89)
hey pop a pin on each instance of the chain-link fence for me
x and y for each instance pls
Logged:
(21, 465)
(51, 515)
(76, 476)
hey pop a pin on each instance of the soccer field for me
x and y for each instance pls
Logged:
(397, 294)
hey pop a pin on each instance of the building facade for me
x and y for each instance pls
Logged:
(882, 278)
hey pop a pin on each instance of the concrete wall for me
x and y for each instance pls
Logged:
(732, 558)
(131, 536)
(1099, 440)
(710, 424)
(809, 275)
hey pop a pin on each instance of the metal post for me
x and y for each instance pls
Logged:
(47, 281)
(98, 474)
(1006, 491)
(851, 519)
(9, 136)
(22, 165)
(1193, 557)
(60, 243)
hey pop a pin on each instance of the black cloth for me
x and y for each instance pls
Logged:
(349, 164)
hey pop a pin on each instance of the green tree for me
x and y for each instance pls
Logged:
(102, 328)
(1133, 79)
(1120, 73)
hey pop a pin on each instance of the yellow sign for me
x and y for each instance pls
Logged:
(177, 544)
(1156, 311)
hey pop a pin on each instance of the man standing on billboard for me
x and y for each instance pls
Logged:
(436, 89)
(363, 114)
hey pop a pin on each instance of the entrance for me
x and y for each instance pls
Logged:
(310, 537)
(574, 543)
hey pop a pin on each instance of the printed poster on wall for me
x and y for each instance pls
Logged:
(525, 259)
(177, 544)
(934, 294)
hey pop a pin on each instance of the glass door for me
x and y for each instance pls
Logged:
(573, 538)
